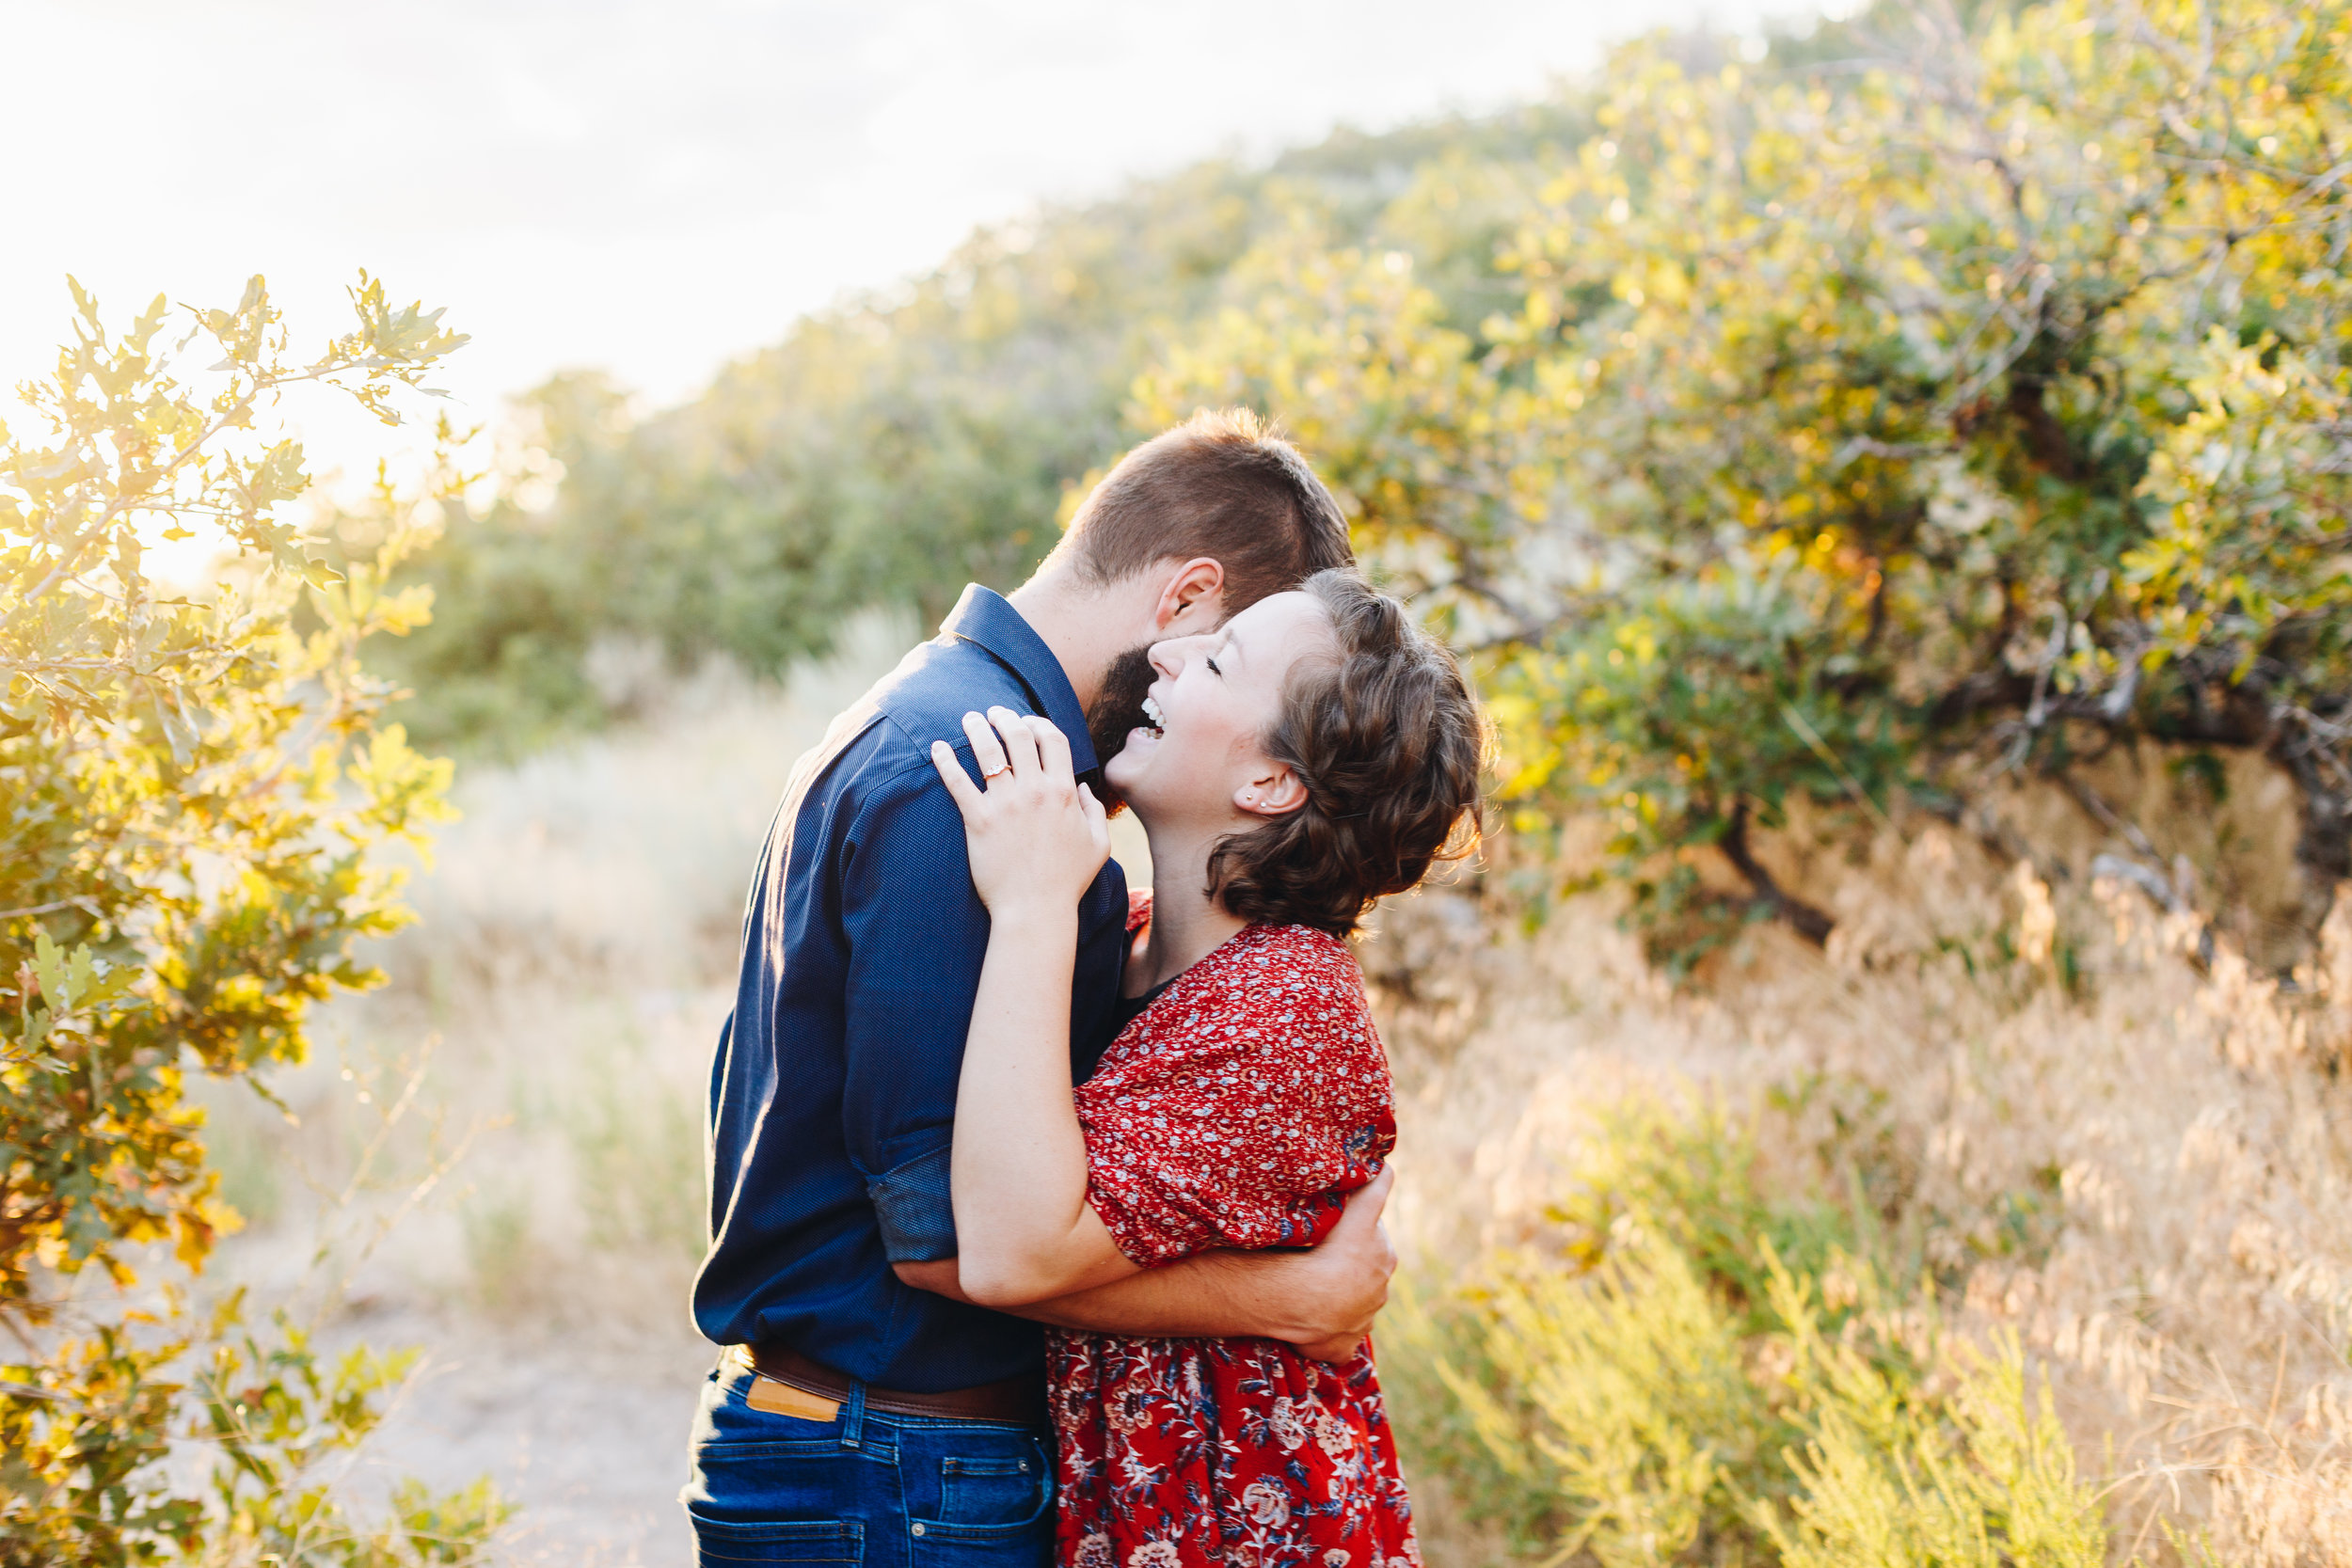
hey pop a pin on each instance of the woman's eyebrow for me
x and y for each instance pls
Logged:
(1232, 648)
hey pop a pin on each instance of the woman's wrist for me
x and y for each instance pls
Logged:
(1034, 914)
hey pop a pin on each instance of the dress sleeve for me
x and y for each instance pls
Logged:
(1252, 1102)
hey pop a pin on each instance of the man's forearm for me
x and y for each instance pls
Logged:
(1305, 1297)
(1211, 1295)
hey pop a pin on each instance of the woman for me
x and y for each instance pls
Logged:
(1315, 753)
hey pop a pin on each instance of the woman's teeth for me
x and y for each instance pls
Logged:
(1154, 719)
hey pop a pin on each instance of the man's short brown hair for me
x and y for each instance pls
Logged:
(1222, 484)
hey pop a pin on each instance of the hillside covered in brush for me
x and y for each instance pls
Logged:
(1948, 398)
(905, 443)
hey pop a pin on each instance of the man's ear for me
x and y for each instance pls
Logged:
(1276, 791)
(1192, 601)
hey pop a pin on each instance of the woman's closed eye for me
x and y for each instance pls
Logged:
(1212, 668)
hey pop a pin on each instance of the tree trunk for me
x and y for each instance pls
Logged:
(1803, 918)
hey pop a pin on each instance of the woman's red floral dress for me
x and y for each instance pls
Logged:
(1238, 1111)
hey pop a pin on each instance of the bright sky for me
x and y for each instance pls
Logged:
(656, 187)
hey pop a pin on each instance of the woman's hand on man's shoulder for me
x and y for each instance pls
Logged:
(1036, 836)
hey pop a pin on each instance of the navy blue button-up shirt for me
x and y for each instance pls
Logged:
(834, 1094)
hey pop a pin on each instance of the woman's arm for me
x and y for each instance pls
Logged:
(1024, 1231)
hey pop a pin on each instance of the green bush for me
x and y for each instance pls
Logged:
(1868, 431)
(276, 1415)
(1982, 1478)
(193, 796)
(1687, 1369)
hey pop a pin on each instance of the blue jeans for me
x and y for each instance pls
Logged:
(866, 1488)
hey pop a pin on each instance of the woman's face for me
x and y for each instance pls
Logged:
(1211, 700)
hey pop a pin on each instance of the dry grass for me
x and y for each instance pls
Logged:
(2146, 1171)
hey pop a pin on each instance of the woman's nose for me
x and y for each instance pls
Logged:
(1168, 658)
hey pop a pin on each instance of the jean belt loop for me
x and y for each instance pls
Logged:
(853, 1415)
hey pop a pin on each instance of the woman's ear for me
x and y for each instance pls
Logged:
(1192, 601)
(1276, 792)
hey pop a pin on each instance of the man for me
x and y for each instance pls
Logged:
(865, 1413)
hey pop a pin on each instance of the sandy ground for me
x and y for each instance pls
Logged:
(589, 1443)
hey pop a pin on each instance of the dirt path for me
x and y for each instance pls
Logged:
(591, 1444)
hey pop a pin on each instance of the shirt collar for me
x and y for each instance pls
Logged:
(987, 618)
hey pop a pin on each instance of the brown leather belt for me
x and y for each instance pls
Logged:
(1020, 1401)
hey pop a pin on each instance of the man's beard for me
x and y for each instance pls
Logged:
(1117, 707)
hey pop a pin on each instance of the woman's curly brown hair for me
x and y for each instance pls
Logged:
(1389, 741)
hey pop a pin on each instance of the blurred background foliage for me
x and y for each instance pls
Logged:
(1683, 1366)
(1945, 396)
(888, 452)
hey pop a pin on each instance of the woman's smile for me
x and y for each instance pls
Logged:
(1155, 722)
(1216, 695)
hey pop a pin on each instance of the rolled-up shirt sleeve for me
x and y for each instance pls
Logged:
(917, 934)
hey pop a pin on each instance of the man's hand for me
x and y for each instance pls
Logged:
(1350, 1281)
(1322, 1301)
(1338, 1349)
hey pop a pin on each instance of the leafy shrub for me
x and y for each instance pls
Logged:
(1686, 1370)
(1617, 1404)
(275, 1416)
(1985, 1478)
(192, 796)
(1868, 431)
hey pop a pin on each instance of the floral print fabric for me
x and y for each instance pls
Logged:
(1238, 1111)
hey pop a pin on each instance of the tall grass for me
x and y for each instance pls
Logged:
(572, 965)
(1995, 1113)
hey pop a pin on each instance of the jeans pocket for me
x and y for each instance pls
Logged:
(837, 1541)
(994, 1512)
(1024, 1544)
(757, 1483)
(998, 1489)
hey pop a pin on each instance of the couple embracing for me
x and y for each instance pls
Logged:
(1045, 1215)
